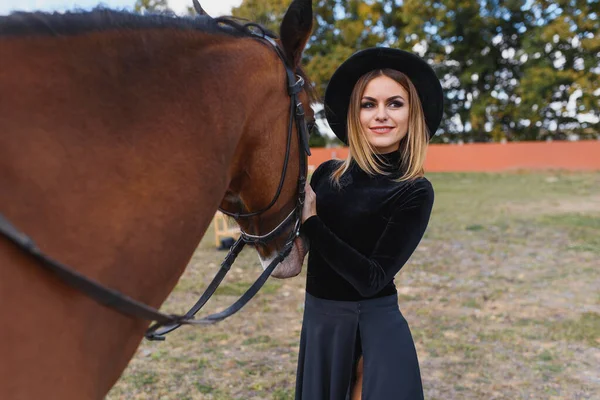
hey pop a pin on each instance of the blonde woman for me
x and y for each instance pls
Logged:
(365, 221)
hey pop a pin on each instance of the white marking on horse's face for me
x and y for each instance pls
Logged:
(267, 261)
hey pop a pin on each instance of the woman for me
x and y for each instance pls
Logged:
(366, 219)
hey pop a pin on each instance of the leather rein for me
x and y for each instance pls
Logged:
(165, 323)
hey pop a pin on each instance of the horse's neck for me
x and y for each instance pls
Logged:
(114, 167)
(128, 144)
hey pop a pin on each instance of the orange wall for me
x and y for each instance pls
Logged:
(496, 157)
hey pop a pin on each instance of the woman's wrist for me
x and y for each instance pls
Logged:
(307, 217)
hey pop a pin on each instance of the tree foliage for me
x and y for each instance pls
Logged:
(511, 69)
(151, 6)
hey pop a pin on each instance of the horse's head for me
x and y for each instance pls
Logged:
(269, 165)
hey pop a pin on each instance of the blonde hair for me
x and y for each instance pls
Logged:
(413, 147)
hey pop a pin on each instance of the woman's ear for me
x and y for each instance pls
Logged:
(296, 29)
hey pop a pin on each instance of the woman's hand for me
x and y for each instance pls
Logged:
(310, 203)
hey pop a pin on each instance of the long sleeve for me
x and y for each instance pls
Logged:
(368, 274)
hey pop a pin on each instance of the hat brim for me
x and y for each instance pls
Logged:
(423, 77)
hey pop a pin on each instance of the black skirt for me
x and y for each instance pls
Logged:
(336, 333)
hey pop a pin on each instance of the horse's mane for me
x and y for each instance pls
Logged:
(102, 19)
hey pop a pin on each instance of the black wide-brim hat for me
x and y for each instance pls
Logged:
(339, 90)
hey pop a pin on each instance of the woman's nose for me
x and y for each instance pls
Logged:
(381, 114)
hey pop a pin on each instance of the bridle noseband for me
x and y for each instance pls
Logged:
(165, 323)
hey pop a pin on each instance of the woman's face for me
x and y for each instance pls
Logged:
(384, 114)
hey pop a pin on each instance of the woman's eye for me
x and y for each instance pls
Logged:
(367, 105)
(396, 104)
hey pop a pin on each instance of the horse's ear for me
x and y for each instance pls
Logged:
(295, 29)
(198, 8)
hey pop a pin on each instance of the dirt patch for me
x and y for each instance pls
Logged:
(590, 204)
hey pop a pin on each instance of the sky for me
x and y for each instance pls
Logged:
(213, 7)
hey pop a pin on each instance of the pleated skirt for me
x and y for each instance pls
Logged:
(336, 333)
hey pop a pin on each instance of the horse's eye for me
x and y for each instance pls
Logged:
(310, 126)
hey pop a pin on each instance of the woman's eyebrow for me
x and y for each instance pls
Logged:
(390, 99)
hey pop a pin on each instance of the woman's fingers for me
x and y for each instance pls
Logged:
(310, 203)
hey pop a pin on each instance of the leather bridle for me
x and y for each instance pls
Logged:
(165, 323)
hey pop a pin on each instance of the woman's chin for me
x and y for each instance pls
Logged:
(384, 145)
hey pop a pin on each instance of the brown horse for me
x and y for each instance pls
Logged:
(120, 135)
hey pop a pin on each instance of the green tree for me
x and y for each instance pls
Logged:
(563, 61)
(511, 69)
(316, 139)
(268, 13)
(151, 6)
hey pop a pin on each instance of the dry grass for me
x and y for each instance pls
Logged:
(503, 299)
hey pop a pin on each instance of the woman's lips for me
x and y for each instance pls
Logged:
(381, 130)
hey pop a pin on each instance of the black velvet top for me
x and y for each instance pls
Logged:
(364, 232)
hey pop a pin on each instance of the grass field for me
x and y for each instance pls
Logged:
(502, 296)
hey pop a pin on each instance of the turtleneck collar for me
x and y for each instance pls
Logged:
(390, 161)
